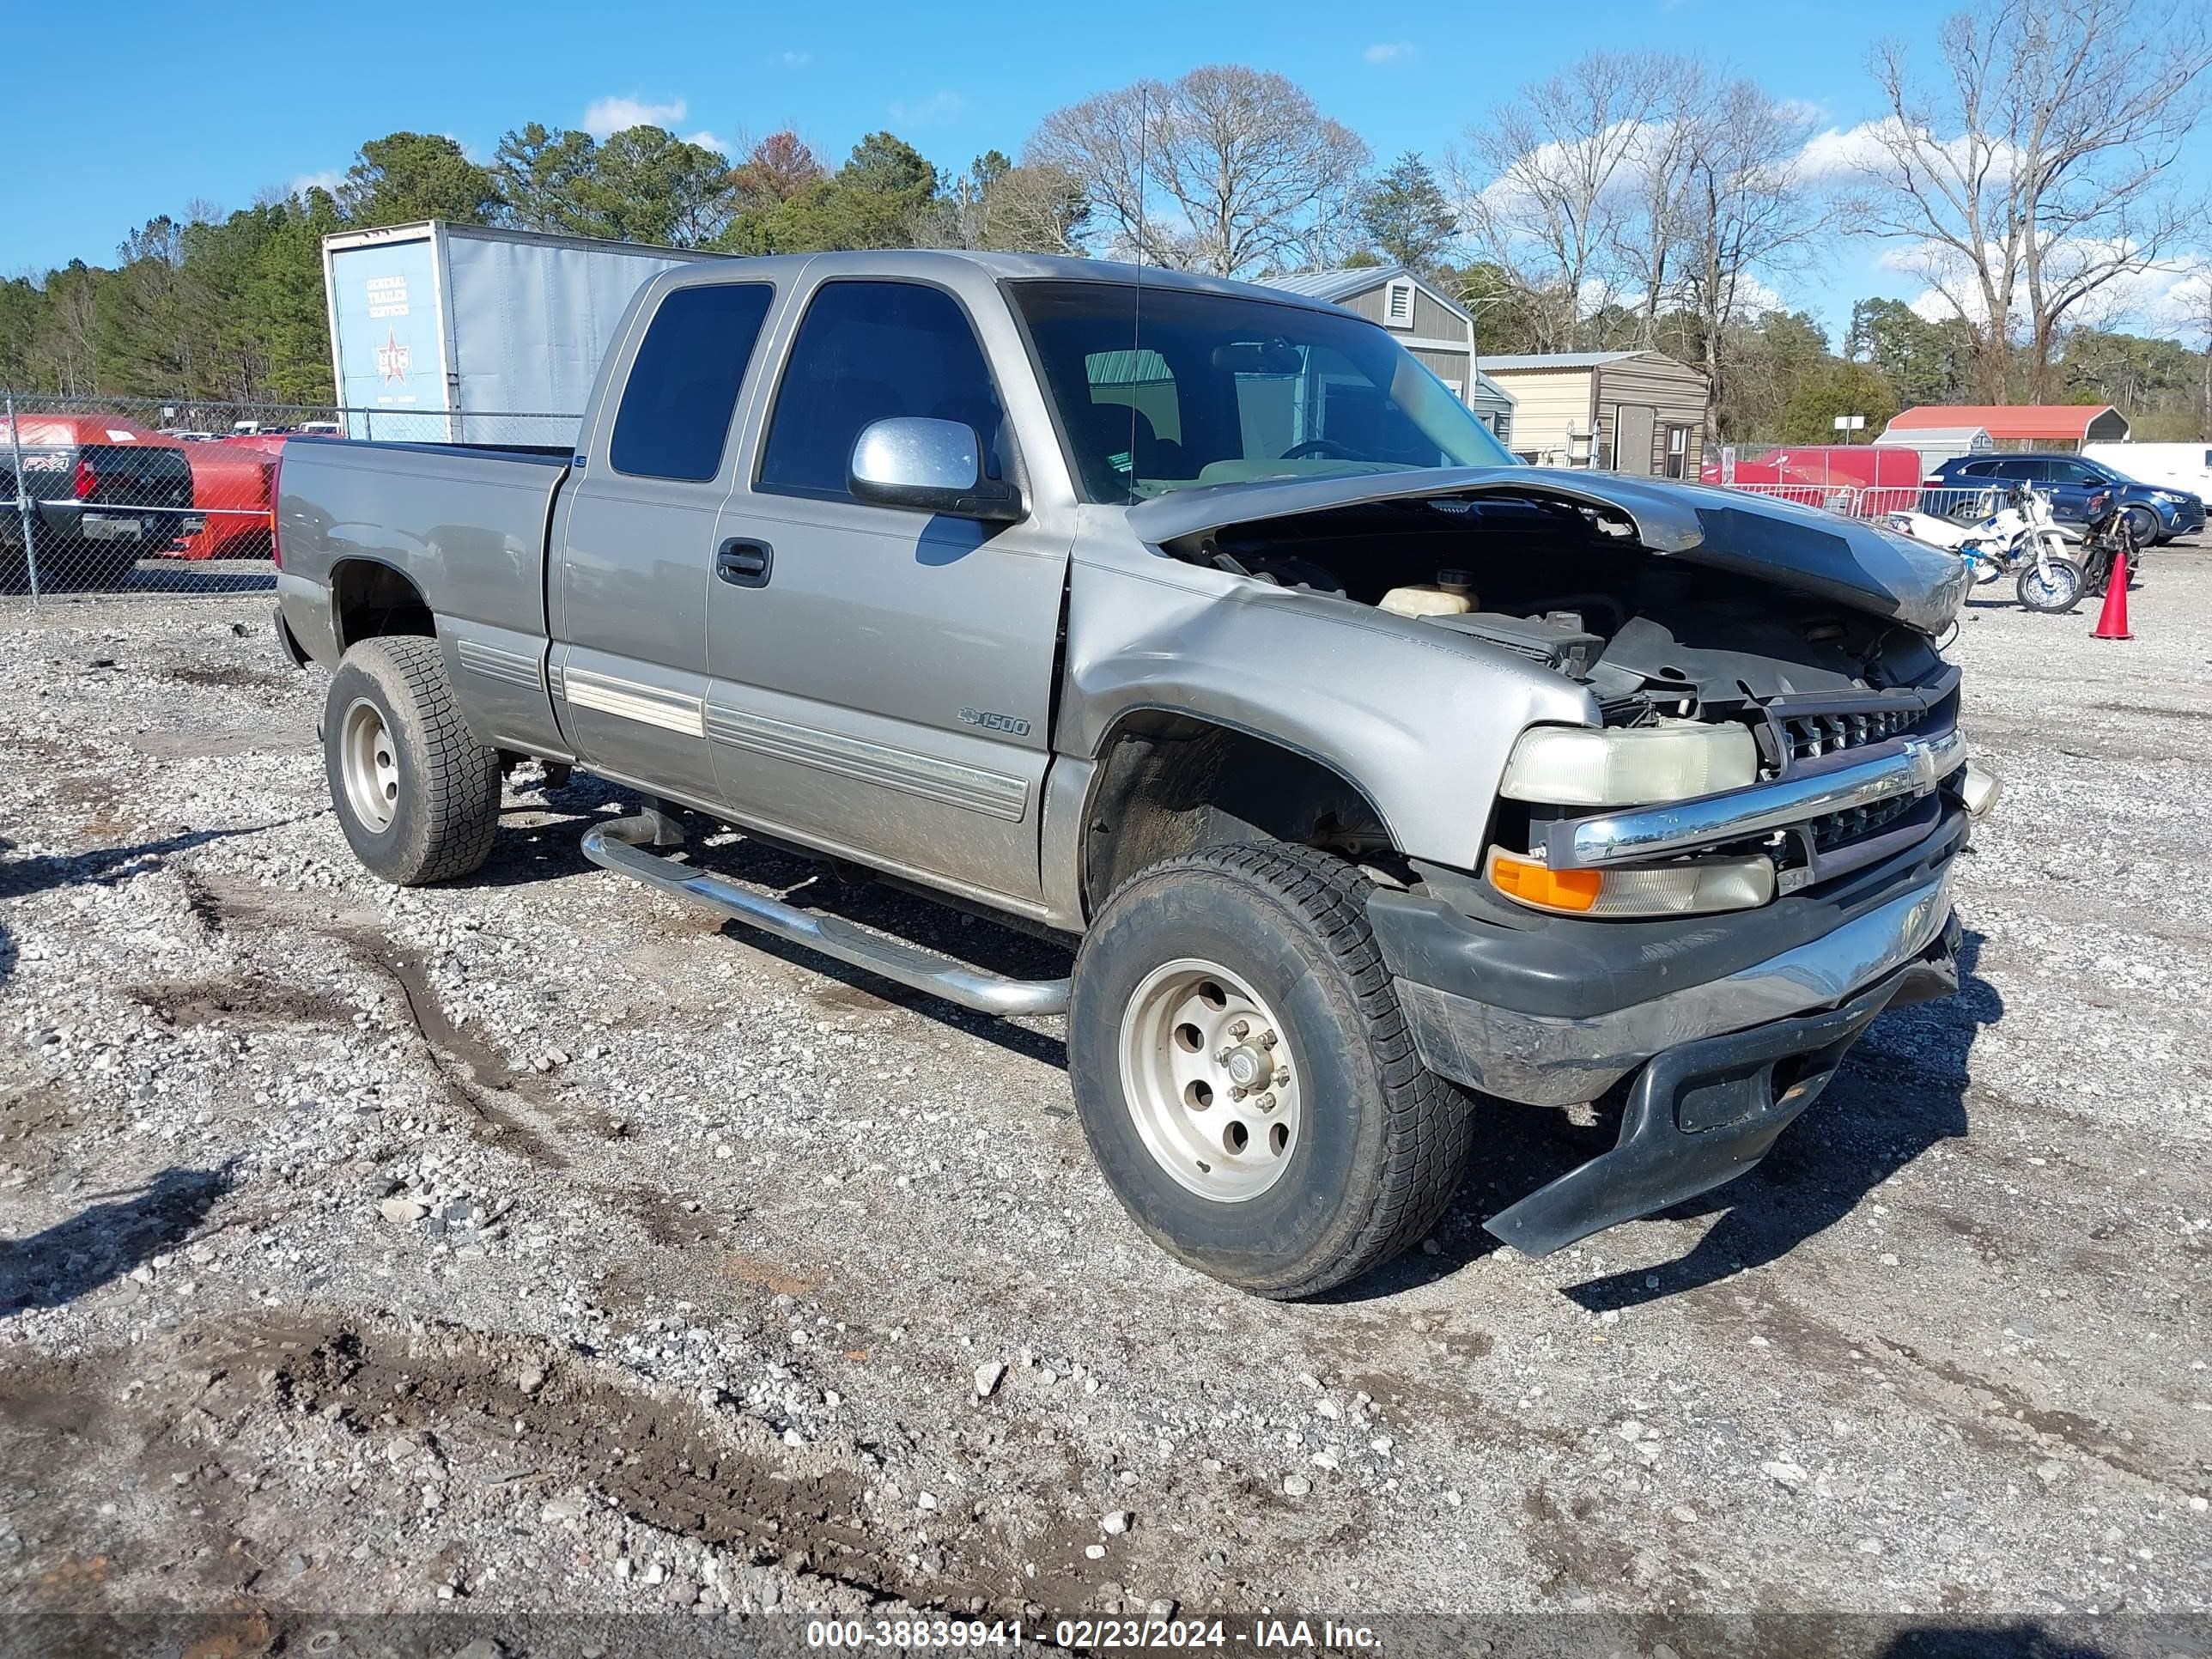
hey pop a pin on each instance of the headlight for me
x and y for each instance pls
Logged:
(1665, 889)
(1674, 759)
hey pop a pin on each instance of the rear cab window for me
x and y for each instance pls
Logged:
(682, 392)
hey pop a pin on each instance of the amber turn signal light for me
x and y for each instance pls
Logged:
(1537, 883)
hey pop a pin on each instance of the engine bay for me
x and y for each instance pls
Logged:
(1568, 585)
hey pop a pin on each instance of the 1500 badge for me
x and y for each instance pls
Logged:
(991, 722)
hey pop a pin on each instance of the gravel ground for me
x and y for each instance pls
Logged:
(528, 1243)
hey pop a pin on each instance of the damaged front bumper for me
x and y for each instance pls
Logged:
(1702, 1114)
(1735, 1022)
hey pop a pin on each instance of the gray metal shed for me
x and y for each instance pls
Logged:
(1436, 329)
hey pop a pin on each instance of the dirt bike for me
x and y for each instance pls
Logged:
(2016, 534)
(2053, 585)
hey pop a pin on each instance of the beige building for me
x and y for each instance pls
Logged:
(1620, 411)
(1436, 329)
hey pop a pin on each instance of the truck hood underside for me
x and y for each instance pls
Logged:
(1795, 547)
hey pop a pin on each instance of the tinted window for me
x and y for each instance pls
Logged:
(683, 389)
(2072, 472)
(869, 351)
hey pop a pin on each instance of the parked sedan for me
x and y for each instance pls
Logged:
(2154, 512)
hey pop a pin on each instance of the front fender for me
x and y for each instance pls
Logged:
(1418, 719)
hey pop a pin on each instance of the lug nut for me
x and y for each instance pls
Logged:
(1221, 1055)
(1267, 1039)
(1283, 1077)
(1238, 1091)
(1265, 1102)
(1238, 1028)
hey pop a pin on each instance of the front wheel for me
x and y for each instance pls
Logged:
(2050, 587)
(1245, 1077)
(415, 793)
(2144, 527)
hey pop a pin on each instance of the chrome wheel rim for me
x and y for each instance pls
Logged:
(370, 764)
(2050, 586)
(1215, 1091)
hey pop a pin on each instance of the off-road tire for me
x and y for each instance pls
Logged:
(1385, 1141)
(448, 812)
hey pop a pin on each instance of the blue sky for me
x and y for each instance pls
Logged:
(215, 103)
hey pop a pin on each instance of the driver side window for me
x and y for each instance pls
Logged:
(868, 351)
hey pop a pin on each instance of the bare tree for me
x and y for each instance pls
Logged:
(1022, 209)
(2195, 302)
(1258, 171)
(1745, 214)
(2035, 176)
(1551, 183)
(1108, 144)
(1657, 213)
(1230, 170)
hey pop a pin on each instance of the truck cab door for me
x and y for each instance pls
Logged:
(881, 678)
(635, 535)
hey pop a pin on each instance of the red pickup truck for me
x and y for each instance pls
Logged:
(103, 492)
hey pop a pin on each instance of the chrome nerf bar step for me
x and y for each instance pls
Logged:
(623, 846)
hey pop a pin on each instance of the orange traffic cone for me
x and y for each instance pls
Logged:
(2112, 623)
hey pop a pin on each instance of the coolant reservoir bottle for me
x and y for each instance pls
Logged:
(1452, 594)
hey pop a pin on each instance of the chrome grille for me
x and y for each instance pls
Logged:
(1810, 736)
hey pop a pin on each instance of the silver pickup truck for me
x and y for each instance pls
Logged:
(1370, 775)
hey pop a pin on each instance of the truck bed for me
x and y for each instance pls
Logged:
(466, 523)
(463, 524)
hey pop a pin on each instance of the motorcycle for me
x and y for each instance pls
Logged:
(2055, 586)
(2018, 534)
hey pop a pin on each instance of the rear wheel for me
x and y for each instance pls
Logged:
(2051, 587)
(1245, 1077)
(416, 793)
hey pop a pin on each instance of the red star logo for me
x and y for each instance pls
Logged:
(393, 359)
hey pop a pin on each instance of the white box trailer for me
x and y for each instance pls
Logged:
(2170, 466)
(442, 332)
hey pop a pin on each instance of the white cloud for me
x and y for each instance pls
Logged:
(1755, 299)
(1843, 152)
(328, 179)
(797, 60)
(1619, 153)
(936, 110)
(707, 140)
(1389, 51)
(611, 115)
(2164, 297)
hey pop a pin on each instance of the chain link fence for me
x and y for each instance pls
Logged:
(105, 495)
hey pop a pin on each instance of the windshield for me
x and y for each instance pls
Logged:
(1162, 389)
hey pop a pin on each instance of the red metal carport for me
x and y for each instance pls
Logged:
(2067, 425)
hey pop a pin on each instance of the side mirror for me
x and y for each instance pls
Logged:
(933, 466)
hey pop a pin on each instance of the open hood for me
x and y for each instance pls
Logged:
(1848, 560)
